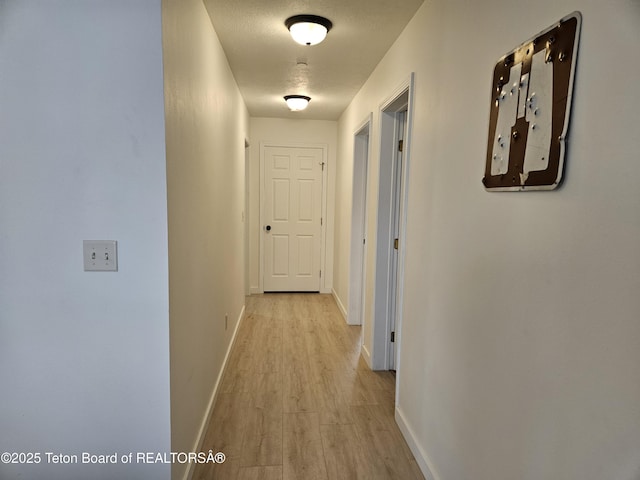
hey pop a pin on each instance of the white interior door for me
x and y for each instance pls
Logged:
(391, 221)
(401, 120)
(292, 227)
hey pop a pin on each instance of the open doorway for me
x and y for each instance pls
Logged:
(395, 129)
(245, 216)
(359, 223)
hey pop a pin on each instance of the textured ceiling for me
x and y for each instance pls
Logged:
(268, 64)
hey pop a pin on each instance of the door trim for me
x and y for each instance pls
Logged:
(359, 199)
(245, 217)
(323, 234)
(381, 318)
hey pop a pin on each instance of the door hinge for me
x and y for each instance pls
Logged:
(400, 145)
(320, 273)
(393, 336)
(364, 241)
(320, 221)
(395, 244)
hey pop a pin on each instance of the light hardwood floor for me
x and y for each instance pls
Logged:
(298, 403)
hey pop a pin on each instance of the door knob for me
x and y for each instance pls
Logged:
(268, 228)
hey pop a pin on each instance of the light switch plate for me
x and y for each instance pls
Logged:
(100, 255)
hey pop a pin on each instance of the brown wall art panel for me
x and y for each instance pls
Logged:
(530, 105)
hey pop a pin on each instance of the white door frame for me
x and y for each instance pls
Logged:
(323, 234)
(245, 216)
(396, 214)
(357, 264)
(401, 98)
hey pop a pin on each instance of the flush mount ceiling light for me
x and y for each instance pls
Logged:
(308, 29)
(297, 102)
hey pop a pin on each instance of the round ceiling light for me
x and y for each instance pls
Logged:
(308, 29)
(297, 102)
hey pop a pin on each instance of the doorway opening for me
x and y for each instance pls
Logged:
(357, 270)
(245, 216)
(395, 129)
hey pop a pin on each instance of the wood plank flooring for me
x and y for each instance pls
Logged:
(298, 403)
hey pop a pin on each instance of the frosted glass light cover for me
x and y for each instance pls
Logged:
(296, 104)
(307, 33)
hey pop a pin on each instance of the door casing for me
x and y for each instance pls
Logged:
(401, 99)
(357, 268)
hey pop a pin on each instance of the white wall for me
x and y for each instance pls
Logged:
(84, 358)
(207, 124)
(290, 132)
(520, 335)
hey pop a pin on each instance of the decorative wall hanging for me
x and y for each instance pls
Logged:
(530, 106)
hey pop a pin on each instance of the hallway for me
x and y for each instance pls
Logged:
(298, 402)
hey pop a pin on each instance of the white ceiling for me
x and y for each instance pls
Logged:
(268, 64)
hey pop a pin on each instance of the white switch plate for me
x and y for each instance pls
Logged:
(100, 255)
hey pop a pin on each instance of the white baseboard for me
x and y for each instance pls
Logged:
(212, 401)
(255, 290)
(426, 466)
(343, 310)
(364, 353)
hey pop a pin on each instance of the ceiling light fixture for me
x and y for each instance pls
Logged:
(308, 29)
(297, 102)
